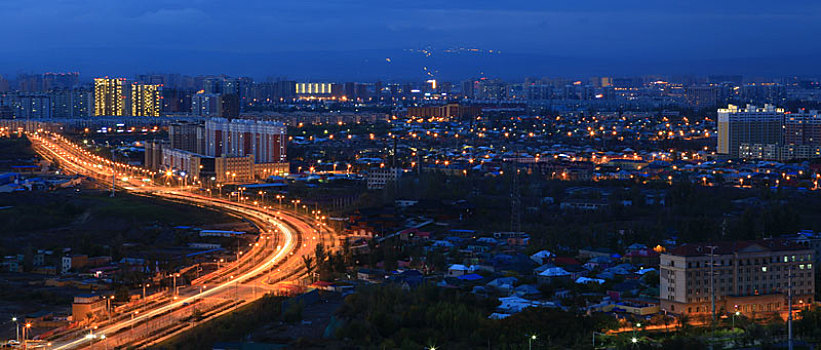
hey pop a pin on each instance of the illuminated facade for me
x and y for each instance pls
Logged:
(751, 277)
(450, 111)
(314, 88)
(748, 125)
(109, 99)
(264, 140)
(320, 91)
(146, 100)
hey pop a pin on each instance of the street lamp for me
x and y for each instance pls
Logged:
(25, 332)
(530, 340)
(734, 315)
(17, 325)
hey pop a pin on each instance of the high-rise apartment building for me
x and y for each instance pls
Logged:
(803, 128)
(751, 277)
(82, 102)
(109, 97)
(53, 81)
(32, 105)
(4, 85)
(61, 103)
(187, 136)
(146, 100)
(264, 140)
(750, 125)
(205, 104)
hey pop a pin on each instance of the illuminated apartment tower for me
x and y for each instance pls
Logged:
(145, 100)
(108, 97)
(750, 125)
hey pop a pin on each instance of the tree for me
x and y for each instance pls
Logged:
(309, 264)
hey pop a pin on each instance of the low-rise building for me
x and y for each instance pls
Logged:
(87, 306)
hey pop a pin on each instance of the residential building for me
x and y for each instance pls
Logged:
(32, 105)
(452, 111)
(187, 136)
(265, 140)
(205, 104)
(109, 97)
(750, 125)
(378, 178)
(146, 100)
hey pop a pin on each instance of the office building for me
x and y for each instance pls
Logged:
(750, 125)
(109, 97)
(750, 277)
(146, 100)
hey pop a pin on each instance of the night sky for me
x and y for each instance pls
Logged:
(331, 39)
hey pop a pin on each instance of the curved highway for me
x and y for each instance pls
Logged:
(275, 257)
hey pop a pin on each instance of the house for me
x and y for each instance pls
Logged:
(635, 247)
(620, 290)
(527, 291)
(514, 304)
(643, 257)
(503, 284)
(413, 234)
(513, 238)
(584, 204)
(542, 257)
(408, 278)
(552, 274)
(73, 262)
(457, 270)
(12, 263)
(443, 244)
(588, 280)
(371, 275)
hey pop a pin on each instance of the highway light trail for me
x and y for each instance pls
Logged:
(77, 160)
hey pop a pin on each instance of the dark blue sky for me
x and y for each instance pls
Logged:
(340, 39)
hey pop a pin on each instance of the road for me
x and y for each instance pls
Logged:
(274, 258)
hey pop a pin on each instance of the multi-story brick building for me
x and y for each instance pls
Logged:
(748, 276)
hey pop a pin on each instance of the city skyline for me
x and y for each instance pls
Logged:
(369, 40)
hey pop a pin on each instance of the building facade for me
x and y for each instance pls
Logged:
(265, 140)
(449, 111)
(187, 136)
(750, 277)
(109, 97)
(146, 100)
(750, 125)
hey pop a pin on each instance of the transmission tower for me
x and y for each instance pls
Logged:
(515, 203)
